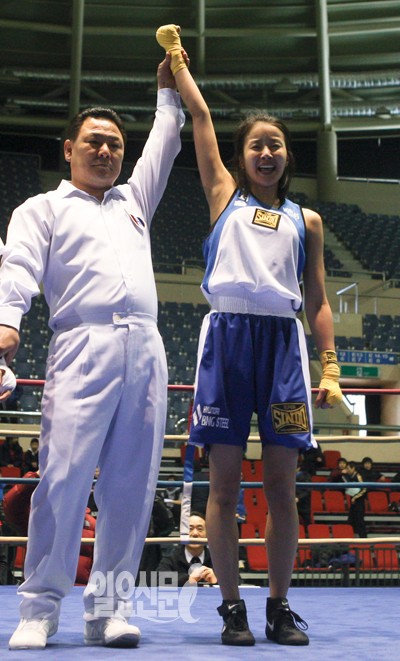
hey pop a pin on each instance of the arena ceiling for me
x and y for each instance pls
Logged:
(316, 63)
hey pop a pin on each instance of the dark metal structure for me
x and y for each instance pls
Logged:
(319, 64)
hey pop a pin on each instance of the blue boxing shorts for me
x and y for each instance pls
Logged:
(251, 363)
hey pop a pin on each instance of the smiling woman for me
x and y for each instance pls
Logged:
(252, 351)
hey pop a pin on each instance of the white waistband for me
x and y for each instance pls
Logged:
(281, 307)
(104, 318)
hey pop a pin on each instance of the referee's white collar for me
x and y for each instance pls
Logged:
(189, 555)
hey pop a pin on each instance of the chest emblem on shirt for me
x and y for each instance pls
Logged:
(137, 222)
(266, 218)
(290, 418)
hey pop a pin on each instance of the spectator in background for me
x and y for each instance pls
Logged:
(312, 460)
(161, 525)
(31, 457)
(369, 473)
(11, 453)
(16, 504)
(336, 474)
(191, 562)
(357, 499)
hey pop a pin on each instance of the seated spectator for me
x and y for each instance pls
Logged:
(396, 478)
(336, 473)
(11, 453)
(191, 562)
(31, 457)
(161, 525)
(312, 460)
(369, 473)
(16, 505)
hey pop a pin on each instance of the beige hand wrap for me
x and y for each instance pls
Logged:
(168, 38)
(330, 377)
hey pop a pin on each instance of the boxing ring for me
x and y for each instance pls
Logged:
(182, 623)
(359, 623)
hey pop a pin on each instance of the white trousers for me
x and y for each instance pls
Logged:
(104, 404)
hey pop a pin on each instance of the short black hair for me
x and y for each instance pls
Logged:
(196, 513)
(98, 112)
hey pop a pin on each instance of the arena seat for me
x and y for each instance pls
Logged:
(342, 530)
(334, 501)
(317, 502)
(377, 502)
(331, 458)
(10, 471)
(319, 530)
(257, 558)
(386, 557)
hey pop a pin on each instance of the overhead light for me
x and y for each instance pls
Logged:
(383, 112)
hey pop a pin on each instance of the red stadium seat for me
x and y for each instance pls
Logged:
(257, 558)
(334, 501)
(247, 470)
(386, 557)
(10, 471)
(377, 501)
(248, 531)
(317, 502)
(319, 530)
(331, 458)
(342, 530)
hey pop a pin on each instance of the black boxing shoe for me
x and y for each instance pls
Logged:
(283, 625)
(236, 629)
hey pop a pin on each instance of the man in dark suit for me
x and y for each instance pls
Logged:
(192, 562)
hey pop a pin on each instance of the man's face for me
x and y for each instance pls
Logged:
(197, 528)
(95, 156)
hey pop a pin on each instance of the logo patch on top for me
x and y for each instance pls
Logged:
(290, 418)
(266, 218)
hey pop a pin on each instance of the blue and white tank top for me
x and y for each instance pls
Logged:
(255, 253)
